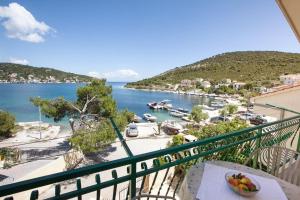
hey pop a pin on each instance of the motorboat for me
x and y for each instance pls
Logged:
(149, 117)
(217, 104)
(137, 119)
(183, 110)
(166, 105)
(132, 130)
(171, 127)
(154, 105)
(186, 118)
(176, 113)
(206, 107)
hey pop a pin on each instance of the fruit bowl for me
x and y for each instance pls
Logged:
(242, 184)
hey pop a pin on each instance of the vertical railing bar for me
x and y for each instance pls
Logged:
(152, 185)
(144, 167)
(78, 184)
(133, 180)
(115, 176)
(57, 190)
(34, 195)
(258, 145)
(98, 181)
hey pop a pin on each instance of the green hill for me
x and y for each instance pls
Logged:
(262, 67)
(23, 73)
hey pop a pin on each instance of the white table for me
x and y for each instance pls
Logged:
(192, 180)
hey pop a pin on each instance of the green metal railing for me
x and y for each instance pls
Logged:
(166, 166)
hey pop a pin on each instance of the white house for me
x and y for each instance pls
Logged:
(290, 79)
(206, 84)
(238, 85)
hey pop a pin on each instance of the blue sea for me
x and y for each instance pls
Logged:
(14, 98)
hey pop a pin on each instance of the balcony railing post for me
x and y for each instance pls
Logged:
(257, 146)
(132, 183)
(298, 144)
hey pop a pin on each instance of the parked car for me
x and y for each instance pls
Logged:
(257, 120)
(246, 116)
(132, 130)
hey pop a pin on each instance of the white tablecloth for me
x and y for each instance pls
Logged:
(213, 186)
(192, 180)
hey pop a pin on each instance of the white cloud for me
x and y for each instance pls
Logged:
(19, 23)
(18, 61)
(118, 75)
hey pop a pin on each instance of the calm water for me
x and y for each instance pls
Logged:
(14, 98)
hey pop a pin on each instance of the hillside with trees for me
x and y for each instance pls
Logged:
(259, 67)
(17, 73)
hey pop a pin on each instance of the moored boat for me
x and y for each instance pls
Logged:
(176, 113)
(166, 105)
(149, 117)
(137, 119)
(183, 110)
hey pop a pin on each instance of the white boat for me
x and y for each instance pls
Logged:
(149, 117)
(186, 118)
(217, 104)
(206, 107)
(137, 119)
(165, 104)
(183, 110)
(132, 130)
(154, 105)
(176, 113)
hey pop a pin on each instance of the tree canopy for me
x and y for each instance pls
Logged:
(197, 114)
(95, 100)
(7, 123)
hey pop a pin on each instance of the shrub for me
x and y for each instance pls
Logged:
(7, 123)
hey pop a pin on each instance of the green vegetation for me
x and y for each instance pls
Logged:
(256, 67)
(23, 71)
(7, 124)
(197, 114)
(232, 154)
(95, 100)
(229, 110)
(176, 140)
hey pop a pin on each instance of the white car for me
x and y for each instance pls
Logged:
(132, 130)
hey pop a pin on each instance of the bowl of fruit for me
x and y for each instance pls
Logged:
(241, 184)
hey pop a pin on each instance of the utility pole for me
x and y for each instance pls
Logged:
(40, 120)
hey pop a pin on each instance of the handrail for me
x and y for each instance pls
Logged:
(121, 138)
(134, 159)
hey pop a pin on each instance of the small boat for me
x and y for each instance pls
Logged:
(171, 127)
(166, 105)
(206, 107)
(186, 118)
(154, 105)
(217, 104)
(149, 117)
(132, 130)
(176, 113)
(137, 119)
(183, 110)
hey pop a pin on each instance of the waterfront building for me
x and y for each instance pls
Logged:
(290, 79)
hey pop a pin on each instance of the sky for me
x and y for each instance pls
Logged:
(134, 39)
